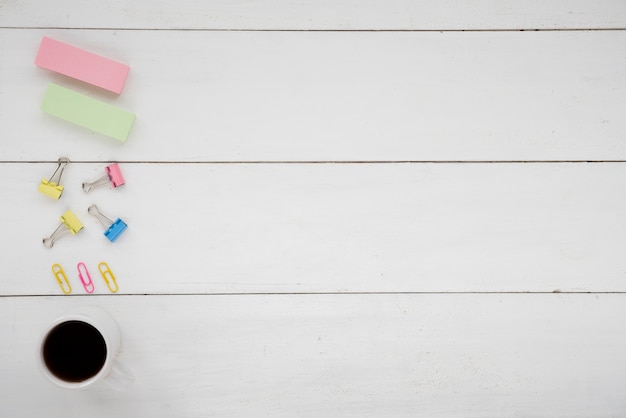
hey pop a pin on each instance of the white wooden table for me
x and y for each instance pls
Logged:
(336, 208)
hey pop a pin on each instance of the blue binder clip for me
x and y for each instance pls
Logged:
(114, 229)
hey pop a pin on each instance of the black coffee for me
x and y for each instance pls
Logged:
(74, 351)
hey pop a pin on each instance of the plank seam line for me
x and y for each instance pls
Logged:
(326, 294)
(278, 162)
(572, 29)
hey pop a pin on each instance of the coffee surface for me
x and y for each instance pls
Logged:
(74, 351)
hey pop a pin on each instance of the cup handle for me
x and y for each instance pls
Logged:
(120, 377)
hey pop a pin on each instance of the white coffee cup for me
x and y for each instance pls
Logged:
(80, 348)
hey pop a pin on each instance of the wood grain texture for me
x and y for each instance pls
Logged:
(241, 228)
(335, 355)
(276, 96)
(281, 284)
(317, 14)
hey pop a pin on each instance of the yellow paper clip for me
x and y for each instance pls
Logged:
(52, 186)
(69, 223)
(59, 274)
(107, 274)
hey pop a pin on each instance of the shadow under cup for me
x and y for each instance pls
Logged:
(74, 351)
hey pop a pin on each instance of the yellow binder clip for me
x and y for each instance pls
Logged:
(108, 276)
(70, 223)
(59, 274)
(52, 186)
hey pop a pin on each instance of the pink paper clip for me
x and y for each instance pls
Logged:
(88, 285)
(113, 176)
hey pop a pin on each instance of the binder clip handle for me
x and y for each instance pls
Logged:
(87, 186)
(48, 242)
(93, 210)
(62, 162)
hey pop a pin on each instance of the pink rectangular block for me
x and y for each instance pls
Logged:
(81, 65)
(115, 175)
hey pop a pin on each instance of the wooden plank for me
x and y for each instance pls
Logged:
(232, 228)
(218, 96)
(318, 14)
(335, 355)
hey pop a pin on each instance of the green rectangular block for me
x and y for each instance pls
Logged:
(87, 112)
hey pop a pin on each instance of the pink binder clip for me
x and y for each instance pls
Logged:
(88, 283)
(113, 176)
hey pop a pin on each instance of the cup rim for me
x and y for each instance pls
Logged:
(104, 370)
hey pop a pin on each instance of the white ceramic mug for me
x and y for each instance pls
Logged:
(79, 349)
